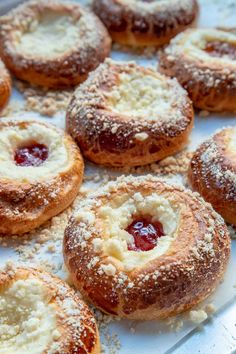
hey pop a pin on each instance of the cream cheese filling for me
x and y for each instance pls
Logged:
(117, 215)
(12, 138)
(197, 40)
(145, 96)
(27, 320)
(51, 36)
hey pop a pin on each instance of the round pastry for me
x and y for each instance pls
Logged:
(52, 43)
(127, 115)
(5, 85)
(142, 22)
(42, 314)
(143, 249)
(204, 62)
(212, 172)
(41, 170)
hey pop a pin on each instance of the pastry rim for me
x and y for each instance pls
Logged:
(119, 292)
(60, 293)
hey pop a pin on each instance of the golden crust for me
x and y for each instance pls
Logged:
(212, 173)
(65, 69)
(210, 82)
(25, 205)
(5, 85)
(114, 138)
(137, 23)
(75, 322)
(180, 278)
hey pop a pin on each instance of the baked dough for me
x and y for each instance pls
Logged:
(52, 43)
(5, 85)
(204, 62)
(143, 23)
(41, 170)
(212, 172)
(42, 314)
(108, 265)
(127, 115)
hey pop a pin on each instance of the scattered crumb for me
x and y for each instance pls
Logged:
(177, 164)
(197, 316)
(210, 309)
(44, 101)
(110, 341)
(174, 323)
(204, 114)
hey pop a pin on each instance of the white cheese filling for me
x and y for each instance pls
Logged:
(11, 138)
(194, 43)
(53, 35)
(117, 215)
(27, 320)
(145, 96)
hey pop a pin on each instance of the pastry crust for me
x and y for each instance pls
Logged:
(127, 115)
(209, 79)
(50, 316)
(140, 23)
(182, 270)
(30, 195)
(52, 43)
(5, 85)
(212, 172)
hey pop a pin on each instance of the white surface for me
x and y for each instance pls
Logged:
(219, 334)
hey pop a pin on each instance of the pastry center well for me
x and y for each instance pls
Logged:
(27, 320)
(145, 233)
(31, 155)
(141, 95)
(221, 49)
(50, 36)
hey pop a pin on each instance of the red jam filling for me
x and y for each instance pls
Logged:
(145, 234)
(31, 155)
(218, 49)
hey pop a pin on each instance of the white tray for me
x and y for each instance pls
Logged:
(145, 337)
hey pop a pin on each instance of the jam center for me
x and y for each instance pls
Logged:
(31, 155)
(145, 234)
(218, 49)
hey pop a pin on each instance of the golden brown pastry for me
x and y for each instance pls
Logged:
(142, 249)
(41, 170)
(52, 43)
(42, 314)
(127, 115)
(143, 23)
(212, 172)
(5, 85)
(204, 62)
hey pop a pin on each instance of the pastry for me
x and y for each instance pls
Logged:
(5, 85)
(143, 23)
(142, 249)
(42, 314)
(204, 62)
(212, 172)
(52, 43)
(127, 115)
(40, 173)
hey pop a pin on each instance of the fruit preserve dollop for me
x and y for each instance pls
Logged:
(218, 49)
(145, 234)
(31, 155)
